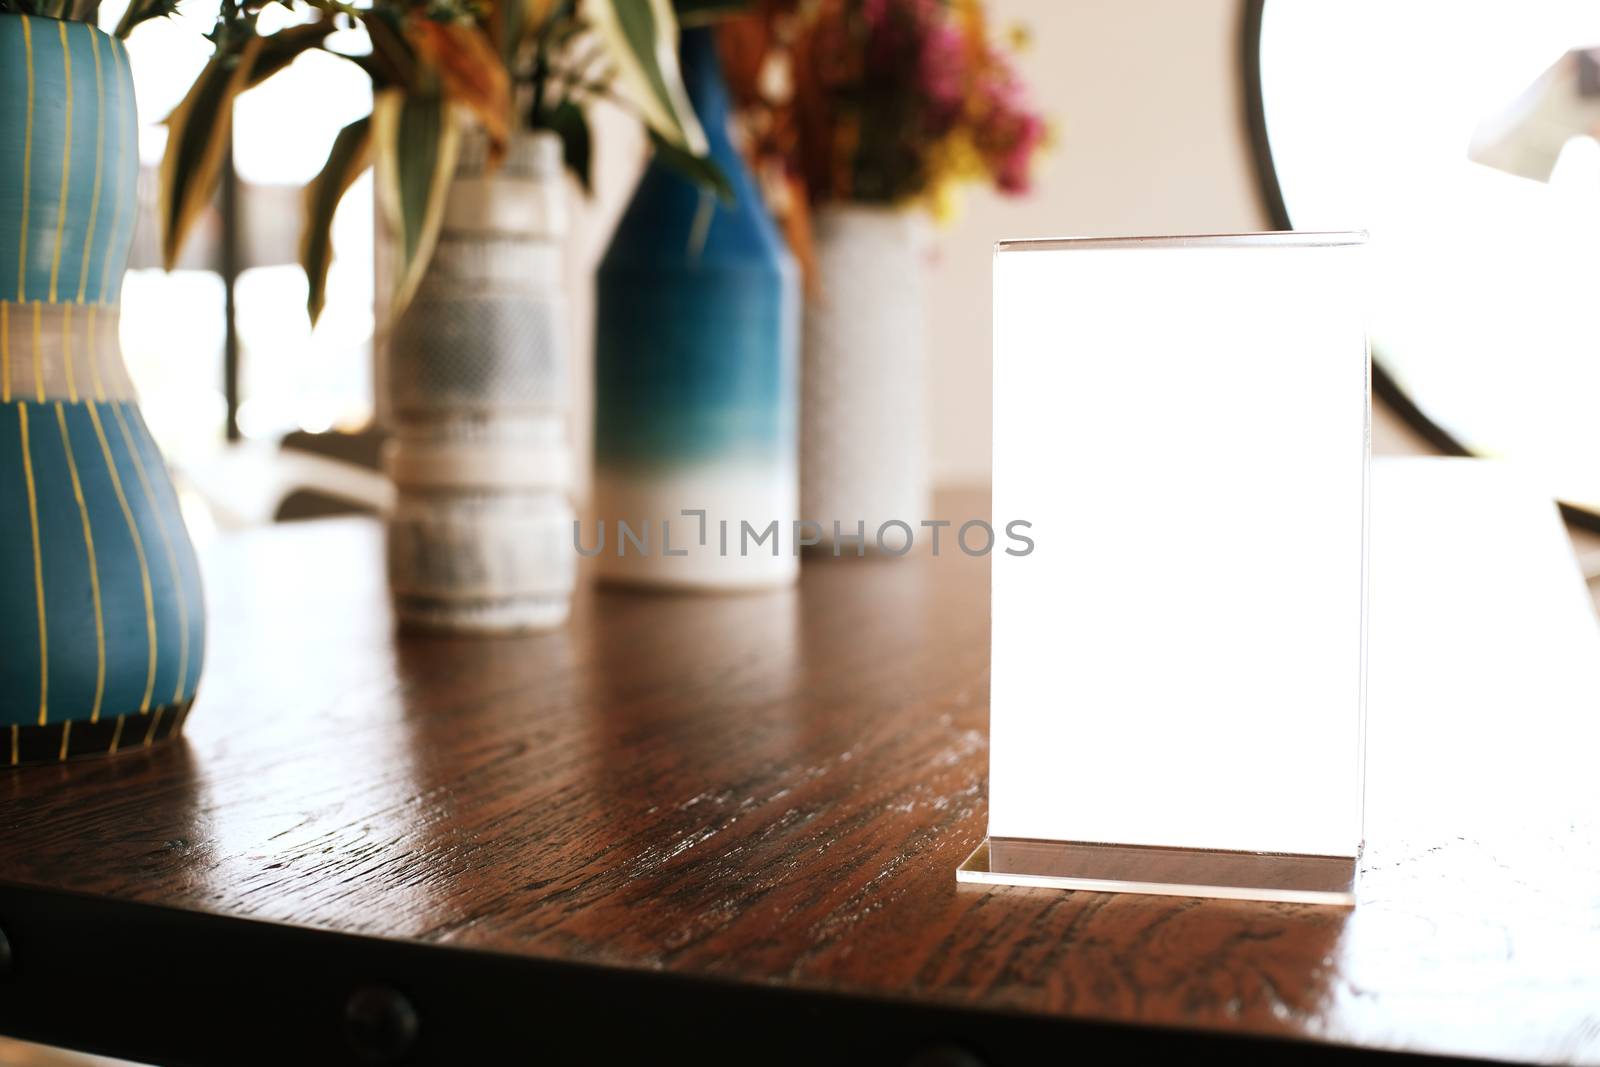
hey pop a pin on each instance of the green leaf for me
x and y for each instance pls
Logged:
(508, 34)
(391, 61)
(415, 138)
(698, 169)
(142, 11)
(198, 132)
(641, 41)
(282, 48)
(349, 156)
(201, 126)
(704, 12)
(567, 121)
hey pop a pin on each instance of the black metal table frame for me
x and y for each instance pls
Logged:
(178, 988)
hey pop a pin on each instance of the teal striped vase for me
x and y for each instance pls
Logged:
(102, 628)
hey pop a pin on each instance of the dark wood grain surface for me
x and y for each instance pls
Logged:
(775, 788)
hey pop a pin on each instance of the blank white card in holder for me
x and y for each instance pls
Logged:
(1178, 665)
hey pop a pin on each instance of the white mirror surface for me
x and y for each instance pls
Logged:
(1462, 135)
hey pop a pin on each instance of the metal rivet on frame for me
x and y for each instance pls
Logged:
(380, 1024)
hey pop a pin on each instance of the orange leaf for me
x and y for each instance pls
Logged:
(743, 43)
(795, 221)
(472, 73)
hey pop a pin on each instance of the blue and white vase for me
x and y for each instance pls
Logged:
(696, 364)
(101, 616)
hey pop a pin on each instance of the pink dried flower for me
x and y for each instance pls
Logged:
(898, 98)
(942, 71)
(1013, 173)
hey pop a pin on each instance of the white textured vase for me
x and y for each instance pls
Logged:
(864, 388)
(478, 397)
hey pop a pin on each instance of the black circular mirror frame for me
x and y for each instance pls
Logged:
(1384, 387)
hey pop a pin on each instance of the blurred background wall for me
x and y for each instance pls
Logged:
(1144, 99)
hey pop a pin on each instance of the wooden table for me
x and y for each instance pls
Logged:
(718, 826)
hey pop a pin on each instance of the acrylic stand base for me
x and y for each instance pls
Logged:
(1182, 872)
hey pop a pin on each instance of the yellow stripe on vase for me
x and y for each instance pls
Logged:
(166, 543)
(66, 163)
(94, 566)
(5, 351)
(38, 564)
(27, 168)
(99, 154)
(38, 350)
(138, 550)
(66, 351)
(118, 61)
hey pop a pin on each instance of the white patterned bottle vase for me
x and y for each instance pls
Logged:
(864, 389)
(478, 400)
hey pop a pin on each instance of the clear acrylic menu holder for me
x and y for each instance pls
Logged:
(1178, 672)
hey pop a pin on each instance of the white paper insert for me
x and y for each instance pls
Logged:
(1179, 661)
